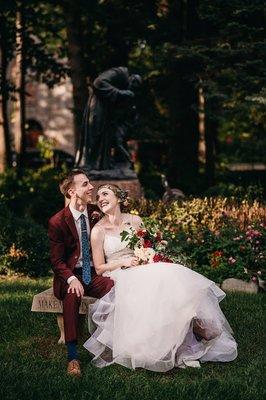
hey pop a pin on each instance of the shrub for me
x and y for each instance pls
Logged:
(218, 237)
(239, 193)
(23, 245)
(35, 194)
(226, 252)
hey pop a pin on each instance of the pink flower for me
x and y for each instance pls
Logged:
(231, 260)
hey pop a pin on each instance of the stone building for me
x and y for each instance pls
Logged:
(52, 108)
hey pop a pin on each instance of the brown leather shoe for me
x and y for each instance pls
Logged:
(73, 368)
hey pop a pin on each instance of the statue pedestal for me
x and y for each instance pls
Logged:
(122, 176)
(131, 185)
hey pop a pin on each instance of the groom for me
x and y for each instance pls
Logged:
(74, 275)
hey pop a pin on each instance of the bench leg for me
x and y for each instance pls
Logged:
(60, 323)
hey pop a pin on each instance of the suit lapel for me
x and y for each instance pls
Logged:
(71, 223)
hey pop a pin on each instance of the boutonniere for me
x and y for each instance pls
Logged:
(96, 215)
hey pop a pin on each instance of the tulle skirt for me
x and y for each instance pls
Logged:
(147, 320)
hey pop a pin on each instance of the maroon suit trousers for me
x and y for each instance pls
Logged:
(98, 287)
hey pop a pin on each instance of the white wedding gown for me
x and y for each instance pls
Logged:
(146, 319)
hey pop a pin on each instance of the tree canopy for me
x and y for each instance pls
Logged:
(179, 47)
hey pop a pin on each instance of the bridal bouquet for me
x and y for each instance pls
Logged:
(148, 245)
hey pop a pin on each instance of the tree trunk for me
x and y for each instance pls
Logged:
(202, 141)
(5, 138)
(72, 14)
(211, 127)
(183, 147)
(15, 77)
(22, 85)
(183, 163)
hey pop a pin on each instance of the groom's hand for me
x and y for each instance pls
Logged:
(76, 287)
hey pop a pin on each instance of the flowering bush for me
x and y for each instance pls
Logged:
(218, 237)
(194, 213)
(228, 252)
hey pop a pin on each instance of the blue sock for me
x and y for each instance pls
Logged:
(72, 350)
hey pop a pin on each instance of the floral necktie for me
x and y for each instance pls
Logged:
(86, 266)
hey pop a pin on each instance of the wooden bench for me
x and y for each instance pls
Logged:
(47, 302)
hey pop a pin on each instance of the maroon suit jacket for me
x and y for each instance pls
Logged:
(65, 246)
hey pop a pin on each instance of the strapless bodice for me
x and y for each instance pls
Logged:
(115, 249)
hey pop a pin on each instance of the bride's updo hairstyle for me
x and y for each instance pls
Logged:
(121, 194)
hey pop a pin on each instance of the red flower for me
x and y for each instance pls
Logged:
(217, 253)
(159, 257)
(141, 233)
(215, 258)
(147, 243)
(166, 259)
(229, 139)
(158, 236)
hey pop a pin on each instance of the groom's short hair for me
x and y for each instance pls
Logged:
(67, 181)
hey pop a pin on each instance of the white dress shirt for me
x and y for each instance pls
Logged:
(76, 215)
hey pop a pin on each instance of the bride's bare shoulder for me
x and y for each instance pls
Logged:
(98, 230)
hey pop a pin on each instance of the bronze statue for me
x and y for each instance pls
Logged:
(108, 116)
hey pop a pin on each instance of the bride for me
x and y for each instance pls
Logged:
(157, 316)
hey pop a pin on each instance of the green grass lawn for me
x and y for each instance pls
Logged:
(33, 365)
